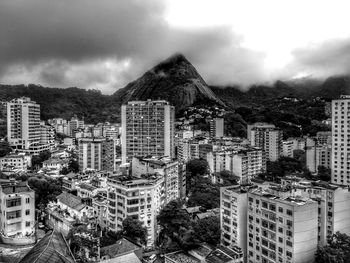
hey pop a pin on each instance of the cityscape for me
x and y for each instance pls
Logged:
(174, 132)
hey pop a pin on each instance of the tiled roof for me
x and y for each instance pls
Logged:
(51, 248)
(71, 201)
(18, 187)
(122, 246)
(128, 258)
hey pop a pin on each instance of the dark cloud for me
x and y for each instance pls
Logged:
(105, 44)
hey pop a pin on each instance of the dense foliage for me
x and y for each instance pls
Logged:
(179, 231)
(4, 149)
(134, 230)
(337, 250)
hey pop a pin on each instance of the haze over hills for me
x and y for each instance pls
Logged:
(175, 80)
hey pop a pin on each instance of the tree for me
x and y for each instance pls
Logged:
(204, 194)
(172, 217)
(336, 251)
(37, 160)
(208, 230)
(73, 166)
(194, 169)
(4, 148)
(46, 190)
(133, 229)
(227, 178)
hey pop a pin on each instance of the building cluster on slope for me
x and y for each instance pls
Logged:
(135, 168)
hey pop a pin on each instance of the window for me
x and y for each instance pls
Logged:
(289, 243)
(280, 209)
(27, 200)
(27, 224)
(13, 202)
(289, 212)
(13, 214)
(27, 212)
(289, 254)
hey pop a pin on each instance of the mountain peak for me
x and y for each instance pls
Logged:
(175, 80)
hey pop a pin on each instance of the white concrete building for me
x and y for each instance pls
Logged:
(281, 229)
(340, 140)
(164, 166)
(216, 127)
(268, 139)
(140, 198)
(96, 154)
(23, 123)
(147, 129)
(233, 217)
(244, 163)
(17, 217)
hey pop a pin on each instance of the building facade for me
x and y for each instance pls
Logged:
(340, 140)
(17, 217)
(281, 229)
(23, 123)
(139, 198)
(147, 129)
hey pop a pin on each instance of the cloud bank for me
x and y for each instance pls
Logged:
(107, 43)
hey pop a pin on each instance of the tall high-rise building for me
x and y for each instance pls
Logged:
(96, 154)
(147, 129)
(23, 123)
(233, 217)
(340, 140)
(269, 139)
(217, 127)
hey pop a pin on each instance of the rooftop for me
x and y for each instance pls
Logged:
(71, 201)
(122, 246)
(51, 248)
(12, 187)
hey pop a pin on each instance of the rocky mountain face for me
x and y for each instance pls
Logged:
(175, 80)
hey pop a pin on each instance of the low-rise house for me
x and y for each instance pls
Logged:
(14, 162)
(17, 217)
(122, 247)
(55, 164)
(68, 209)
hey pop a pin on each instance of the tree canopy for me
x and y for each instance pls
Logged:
(337, 250)
(133, 229)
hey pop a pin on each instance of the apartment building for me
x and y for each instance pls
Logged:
(287, 148)
(23, 123)
(341, 140)
(163, 166)
(268, 139)
(317, 155)
(147, 129)
(96, 154)
(139, 198)
(216, 128)
(244, 163)
(233, 217)
(17, 217)
(15, 162)
(281, 229)
(332, 199)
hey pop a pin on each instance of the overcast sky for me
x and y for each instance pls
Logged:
(104, 44)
